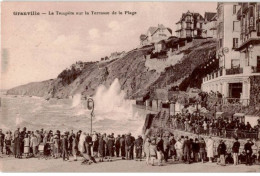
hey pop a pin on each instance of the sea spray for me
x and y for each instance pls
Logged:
(112, 99)
(76, 100)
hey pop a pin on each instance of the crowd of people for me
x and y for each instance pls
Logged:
(222, 127)
(154, 148)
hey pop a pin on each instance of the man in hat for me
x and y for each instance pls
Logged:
(117, 145)
(128, 144)
(249, 151)
(65, 147)
(235, 150)
(138, 148)
(187, 150)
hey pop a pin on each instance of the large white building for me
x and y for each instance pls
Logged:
(238, 51)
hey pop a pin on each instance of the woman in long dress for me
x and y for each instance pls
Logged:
(81, 142)
(101, 148)
(210, 149)
(26, 149)
(147, 149)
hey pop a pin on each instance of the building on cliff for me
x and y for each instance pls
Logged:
(210, 25)
(238, 53)
(155, 34)
(190, 25)
(194, 25)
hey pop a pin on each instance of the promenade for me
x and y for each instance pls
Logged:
(57, 165)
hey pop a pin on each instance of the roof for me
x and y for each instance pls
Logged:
(152, 30)
(190, 14)
(209, 16)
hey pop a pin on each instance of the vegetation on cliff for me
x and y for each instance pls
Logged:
(135, 78)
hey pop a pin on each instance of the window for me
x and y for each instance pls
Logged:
(220, 43)
(235, 63)
(235, 42)
(188, 25)
(234, 9)
(200, 25)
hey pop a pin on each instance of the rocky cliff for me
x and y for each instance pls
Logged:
(135, 78)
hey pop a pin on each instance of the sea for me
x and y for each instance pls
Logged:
(112, 112)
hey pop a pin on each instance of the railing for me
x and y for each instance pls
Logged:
(223, 133)
(256, 69)
(235, 101)
(234, 71)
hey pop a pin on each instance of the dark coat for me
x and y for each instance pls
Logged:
(248, 147)
(187, 146)
(110, 146)
(235, 148)
(101, 147)
(65, 143)
(222, 149)
(17, 146)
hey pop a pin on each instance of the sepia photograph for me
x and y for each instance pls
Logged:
(130, 87)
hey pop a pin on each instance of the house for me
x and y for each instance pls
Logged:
(238, 53)
(116, 55)
(210, 25)
(190, 25)
(155, 34)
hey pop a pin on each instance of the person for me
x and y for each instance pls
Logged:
(172, 147)
(26, 142)
(128, 144)
(235, 150)
(210, 149)
(122, 147)
(249, 151)
(95, 144)
(132, 146)
(222, 152)
(65, 147)
(187, 150)
(2, 138)
(74, 146)
(56, 145)
(196, 150)
(202, 145)
(81, 142)
(17, 146)
(166, 146)
(138, 148)
(8, 142)
(87, 148)
(117, 145)
(160, 150)
(147, 150)
(153, 150)
(101, 148)
(179, 149)
(110, 146)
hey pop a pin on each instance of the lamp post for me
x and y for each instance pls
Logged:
(91, 106)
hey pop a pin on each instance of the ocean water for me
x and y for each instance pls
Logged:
(113, 113)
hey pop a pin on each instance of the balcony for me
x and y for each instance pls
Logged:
(234, 71)
(255, 69)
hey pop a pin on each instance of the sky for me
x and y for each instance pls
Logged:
(37, 48)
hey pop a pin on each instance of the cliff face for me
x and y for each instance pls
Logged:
(134, 77)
